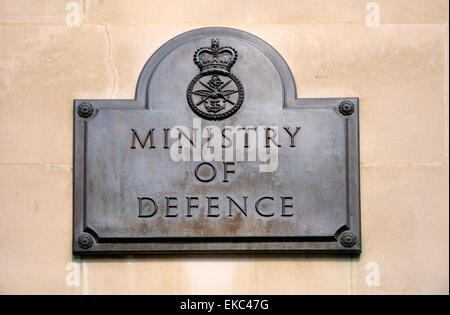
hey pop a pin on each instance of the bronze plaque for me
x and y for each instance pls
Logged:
(216, 153)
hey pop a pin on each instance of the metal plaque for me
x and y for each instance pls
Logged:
(149, 176)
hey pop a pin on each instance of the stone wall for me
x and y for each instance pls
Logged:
(53, 51)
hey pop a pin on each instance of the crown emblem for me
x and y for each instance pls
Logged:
(215, 58)
(215, 93)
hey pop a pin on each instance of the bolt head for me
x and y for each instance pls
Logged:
(348, 239)
(85, 110)
(85, 241)
(346, 108)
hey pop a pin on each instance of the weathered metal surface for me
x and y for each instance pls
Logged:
(129, 199)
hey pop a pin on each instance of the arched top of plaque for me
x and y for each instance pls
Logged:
(229, 45)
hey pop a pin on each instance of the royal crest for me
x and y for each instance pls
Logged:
(215, 93)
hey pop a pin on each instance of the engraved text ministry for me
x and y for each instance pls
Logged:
(228, 145)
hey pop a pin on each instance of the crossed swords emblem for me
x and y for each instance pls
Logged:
(214, 93)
